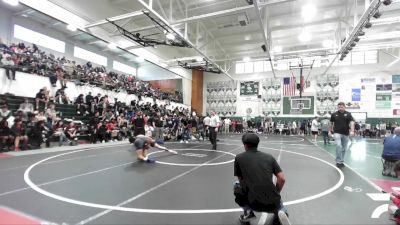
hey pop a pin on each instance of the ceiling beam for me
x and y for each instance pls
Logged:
(115, 18)
(209, 15)
(265, 38)
(183, 38)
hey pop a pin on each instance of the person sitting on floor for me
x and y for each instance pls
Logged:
(391, 152)
(391, 146)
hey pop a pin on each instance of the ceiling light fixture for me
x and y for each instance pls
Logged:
(304, 36)
(112, 46)
(72, 27)
(170, 36)
(140, 59)
(308, 11)
(327, 43)
(246, 59)
(277, 49)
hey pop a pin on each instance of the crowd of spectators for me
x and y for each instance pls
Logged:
(30, 59)
(37, 121)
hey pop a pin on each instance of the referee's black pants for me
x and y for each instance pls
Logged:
(213, 137)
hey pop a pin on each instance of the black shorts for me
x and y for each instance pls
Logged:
(314, 132)
(139, 144)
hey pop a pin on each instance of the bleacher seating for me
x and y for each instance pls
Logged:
(66, 111)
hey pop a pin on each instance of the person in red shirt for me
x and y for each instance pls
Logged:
(112, 131)
(395, 196)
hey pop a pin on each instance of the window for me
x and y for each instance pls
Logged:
(90, 56)
(267, 66)
(248, 67)
(259, 66)
(357, 58)
(124, 68)
(34, 37)
(371, 57)
(239, 68)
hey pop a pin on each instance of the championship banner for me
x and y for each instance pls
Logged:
(249, 88)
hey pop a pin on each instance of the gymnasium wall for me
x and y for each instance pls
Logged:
(362, 77)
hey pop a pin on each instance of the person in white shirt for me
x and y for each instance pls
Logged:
(26, 107)
(206, 123)
(294, 127)
(215, 123)
(227, 124)
(314, 128)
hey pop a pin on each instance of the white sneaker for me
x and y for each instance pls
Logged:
(103, 141)
(186, 142)
(181, 141)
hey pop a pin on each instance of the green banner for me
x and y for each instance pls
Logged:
(249, 88)
(383, 101)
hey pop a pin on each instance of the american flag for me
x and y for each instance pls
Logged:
(289, 86)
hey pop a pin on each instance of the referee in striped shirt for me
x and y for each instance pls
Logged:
(215, 123)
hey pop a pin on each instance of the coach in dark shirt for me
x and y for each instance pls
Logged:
(138, 122)
(342, 126)
(255, 189)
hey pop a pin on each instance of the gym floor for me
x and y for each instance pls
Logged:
(104, 184)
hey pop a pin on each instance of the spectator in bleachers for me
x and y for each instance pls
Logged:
(51, 115)
(61, 77)
(5, 113)
(103, 104)
(61, 97)
(93, 127)
(26, 108)
(9, 65)
(80, 105)
(102, 132)
(71, 131)
(58, 131)
(41, 97)
(5, 135)
(53, 79)
(3, 101)
(39, 134)
(40, 117)
(112, 130)
(18, 131)
(90, 105)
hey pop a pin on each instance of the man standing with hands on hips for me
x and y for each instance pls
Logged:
(342, 126)
(215, 123)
